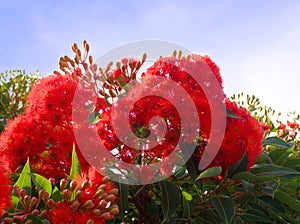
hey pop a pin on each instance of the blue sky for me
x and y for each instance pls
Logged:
(255, 43)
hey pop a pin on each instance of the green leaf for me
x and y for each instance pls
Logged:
(256, 215)
(239, 166)
(56, 194)
(188, 208)
(271, 203)
(23, 182)
(263, 158)
(192, 168)
(170, 199)
(251, 176)
(41, 182)
(274, 171)
(279, 156)
(288, 200)
(123, 198)
(187, 196)
(224, 207)
(276, 142)
(75, 168)
(211, 172)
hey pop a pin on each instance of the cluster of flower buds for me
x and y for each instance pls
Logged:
(83, 202)
(28, 206)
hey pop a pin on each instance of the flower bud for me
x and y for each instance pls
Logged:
(75, 205)
(66, 194)
(114, 191)
(111, 197)
(73, 185)
(27, 200)
(114, 210)
(85, 185)
(17, 191)
(107, 216)
(90, 221)
(78, 194)
(99, 193)
(35, 212)
(52, 180)
(41, 194)
(23, 193)
(97, 212)
(102, 204)
(63, 184)
(33, 202)
(88, 204)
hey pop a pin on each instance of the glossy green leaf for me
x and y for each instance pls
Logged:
(41, 182)
(210, 172)
(279, 156)
(75, 168)
(251, 176)
(24, 180)
(256, 215)
(274, 171)
(239, 166)
(288, 200)
(293, 163)
(188, 208)
(192, 168)
(271, 203)
(263, 158)
(170, 199)
(56, 194)
(276, 142)
(224, 207)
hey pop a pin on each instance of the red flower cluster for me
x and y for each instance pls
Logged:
(5, 189)
(44, 133)
(95, 198)
(243, 134)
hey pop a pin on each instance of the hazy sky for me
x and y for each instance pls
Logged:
(255, 43)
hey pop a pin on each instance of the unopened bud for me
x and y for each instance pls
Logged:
(114, 191)
(107, 216)
(85, 185)
(27, 200)
(102, 204)
(66, 194)
(97, 212)
(35, 212)
(23, 193)
(17, 191)
(73, 185)
(114, 210)
(63, 184)
(78, 194)
(88, 204)
(90, 221)
(75, 205)
(99, 193)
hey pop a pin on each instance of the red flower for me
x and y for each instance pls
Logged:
(243, 134)
(5, 191)
(44, 133)
(61, 214)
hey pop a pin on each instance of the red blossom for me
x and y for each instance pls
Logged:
(5, 190)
